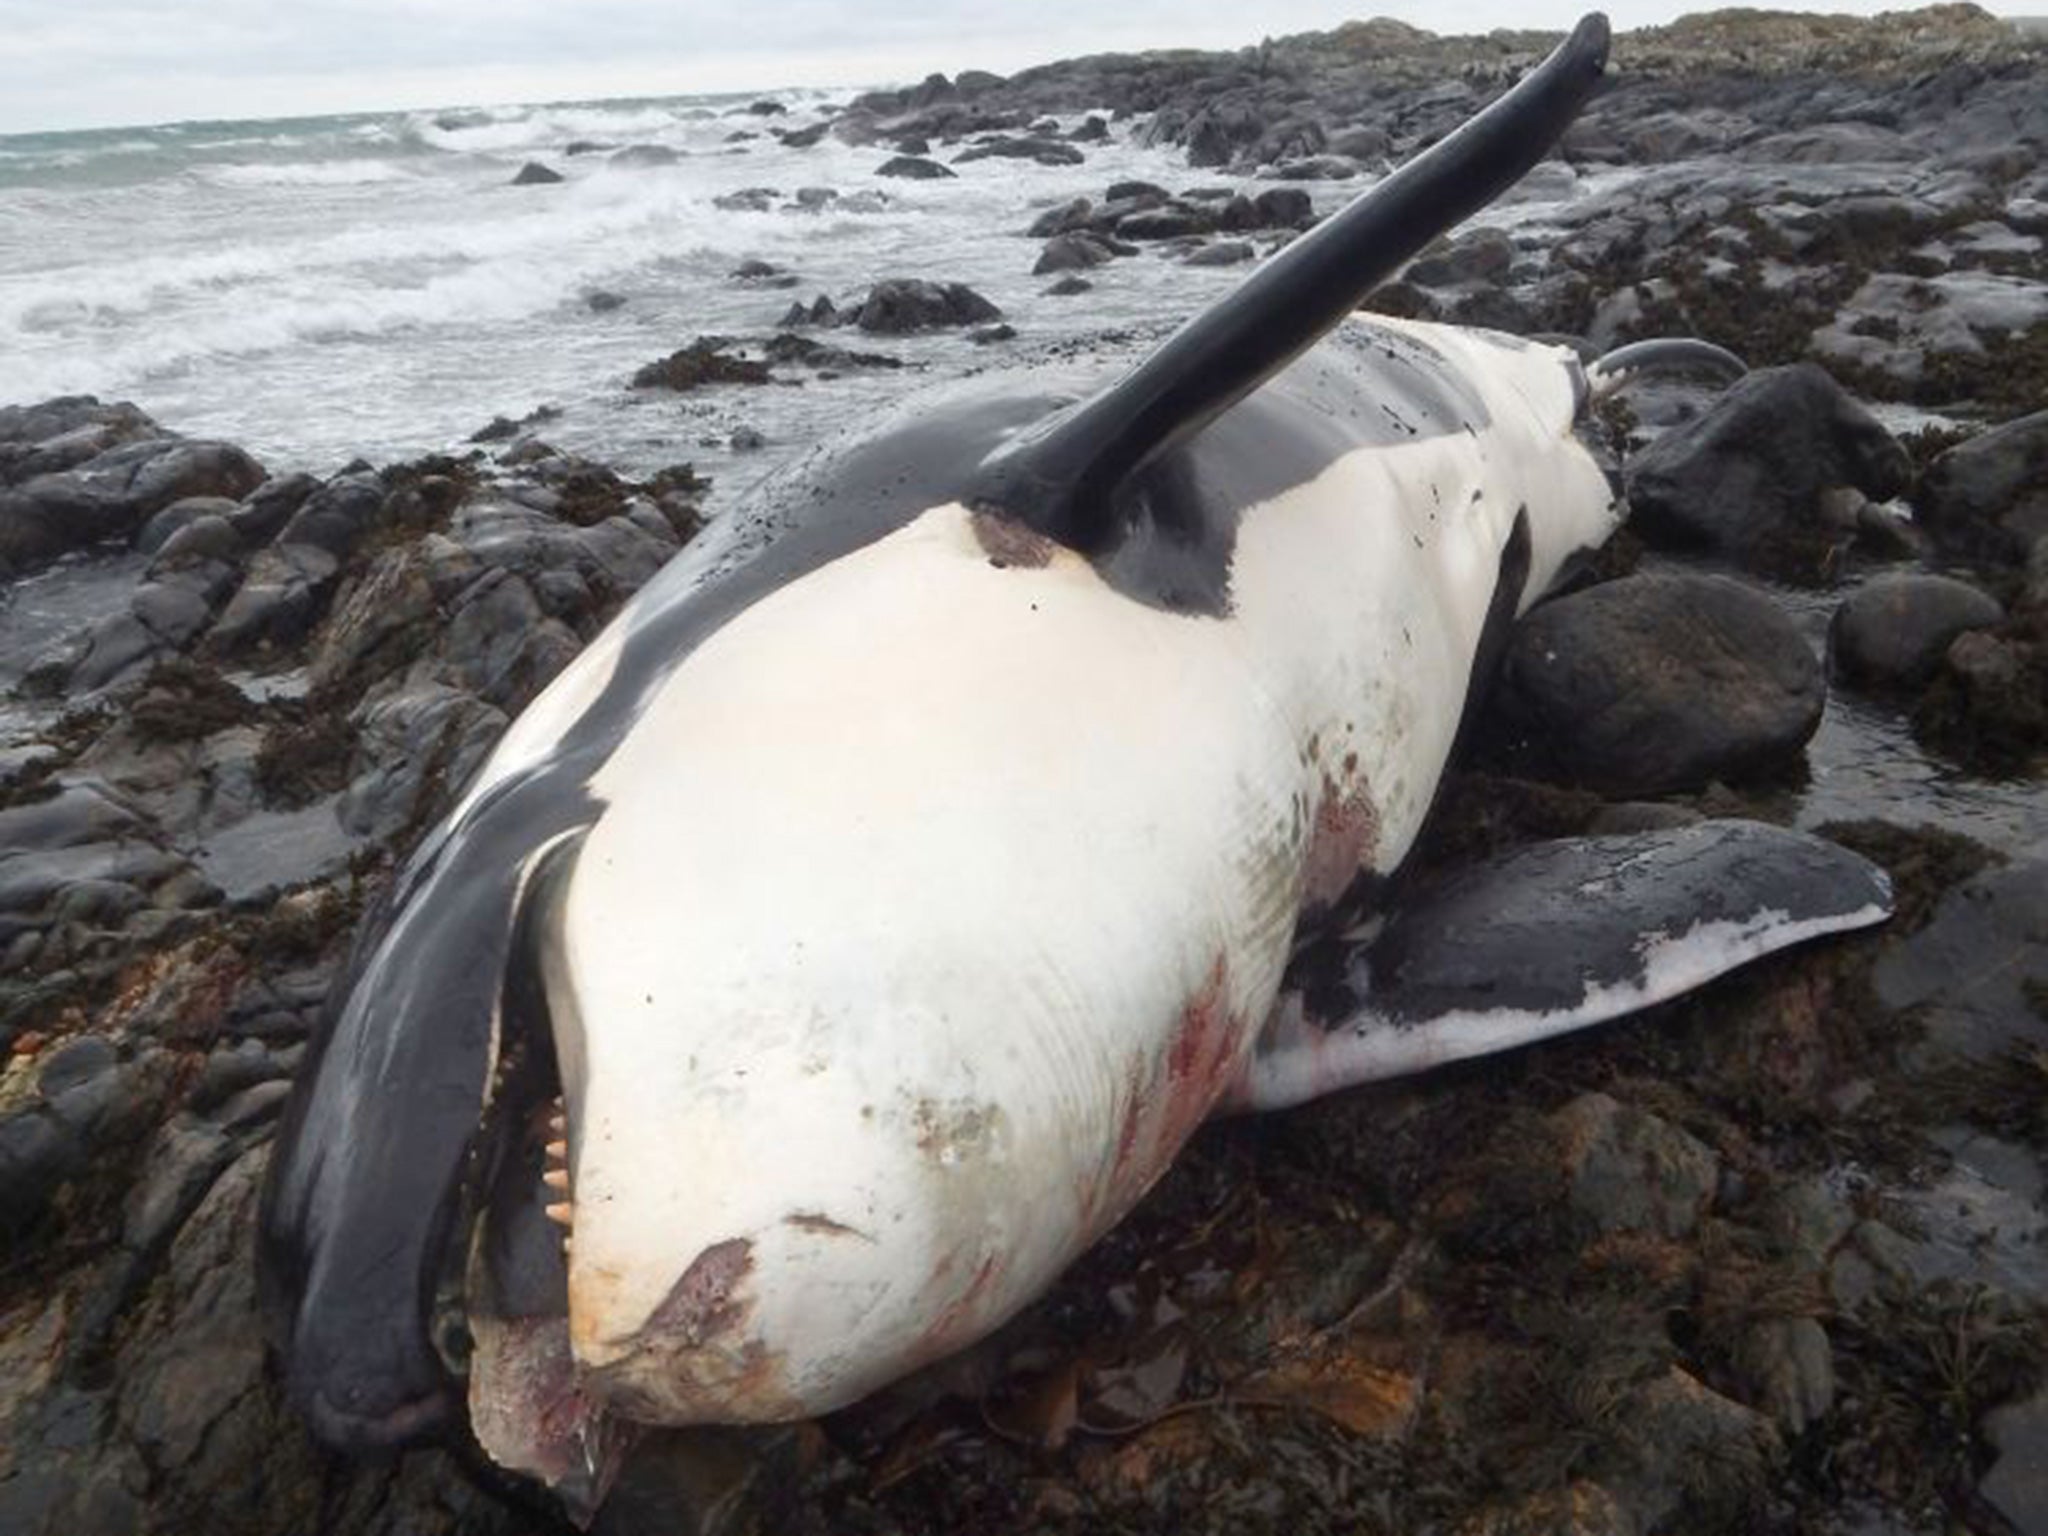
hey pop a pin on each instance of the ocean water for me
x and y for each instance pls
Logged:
(321, 289)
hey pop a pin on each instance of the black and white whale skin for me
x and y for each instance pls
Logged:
(887, 895)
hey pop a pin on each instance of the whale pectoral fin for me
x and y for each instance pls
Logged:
(1549, 938)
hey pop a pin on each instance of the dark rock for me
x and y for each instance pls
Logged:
(173, 612)
(1316, 168)
(811, 200)
(1216, 134)
(1655, 683)
(577, 147)
(36, 1156)
(1988, 703)
(412, 746)
(155, 533)
(1062, 220)
(62, 434)
(1969, 970)
(1068, 253)
(915, 168)
(1362, 143)
(1170, 223)
(1750, 477)
(900, 305)
(209, 538)
(1991, 491)
(704, 361)
(1068, 286)
(280, 599)
(1284, 208)
(820, 311)
(805, 138)
(264, 511)
(1627, 1171)
(1678, 1425)
(1894, 632)
(787, 348)
(989, 335)
(1223, 253)
(336, 517)
(503, 429)
(534, 174)
(1477, 256)
(1136, 191)
(747, 200)
(765, 274)
(120, 647)
(112, 494)
(1043, 151)
(766, 108)
(1093, 129)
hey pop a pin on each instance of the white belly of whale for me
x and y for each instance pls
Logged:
(1043, 941)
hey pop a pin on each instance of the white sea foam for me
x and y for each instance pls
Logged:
(507, 130)
(308, 173)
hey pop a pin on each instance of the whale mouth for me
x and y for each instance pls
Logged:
(532, 1409)
(501, 1313)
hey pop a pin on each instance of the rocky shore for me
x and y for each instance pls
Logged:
(1774, 1258)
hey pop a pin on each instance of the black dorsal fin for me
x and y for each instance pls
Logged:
(1061, 478)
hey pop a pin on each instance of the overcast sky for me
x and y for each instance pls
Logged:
(89, 63)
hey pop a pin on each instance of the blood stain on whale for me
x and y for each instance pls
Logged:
(1343, 839)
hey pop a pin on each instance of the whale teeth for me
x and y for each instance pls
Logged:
(555, 1170)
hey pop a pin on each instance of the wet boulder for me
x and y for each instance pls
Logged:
(1174, 221)
(279, 601)
(1971, 971)
(61, 434)
(1043, 151)
(1064, 219)
(113, 494)
(1284, 208)
(915, 168)
(1751, 478)
(534, 174)
(1656, 683)
(1992, 491)
(1893, 633)
(1988, 703)
(900, 305)
(1222, 253)
(1478, 256)
(703, 362)
(1628, 1171)
(1068, 253)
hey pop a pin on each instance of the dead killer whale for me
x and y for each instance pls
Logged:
(859, 927)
